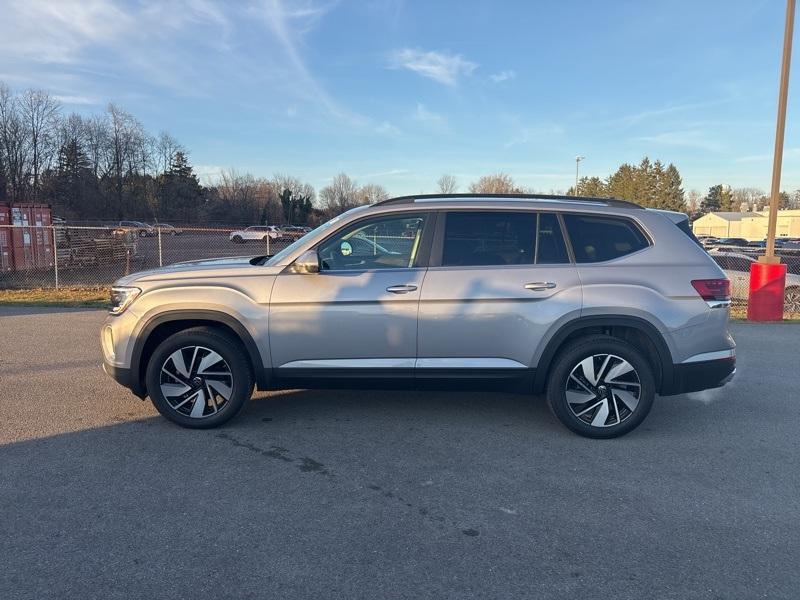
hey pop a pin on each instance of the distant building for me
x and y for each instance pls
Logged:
(748, 225)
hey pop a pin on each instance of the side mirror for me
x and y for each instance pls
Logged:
(308, 262)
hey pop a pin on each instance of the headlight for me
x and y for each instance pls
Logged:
(122, 297)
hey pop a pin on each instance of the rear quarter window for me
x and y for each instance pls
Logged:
(598, 238)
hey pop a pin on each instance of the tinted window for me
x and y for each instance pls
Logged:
(596, 238)
(550, 246)
(385, 243)
(685, 228)
(502, 238)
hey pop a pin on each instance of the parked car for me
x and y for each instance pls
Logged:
(142, 229)
(737, 269)
(779, 243)
(256, 233)
(167, 229)
(293, 232)
(600, 304)
(708, 241)
(733, 241)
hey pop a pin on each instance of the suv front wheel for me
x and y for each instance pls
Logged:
(199, 378)
(601, 387)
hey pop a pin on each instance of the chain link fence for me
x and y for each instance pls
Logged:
(91, 256)
(69, 256)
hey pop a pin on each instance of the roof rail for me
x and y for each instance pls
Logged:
(578, 199)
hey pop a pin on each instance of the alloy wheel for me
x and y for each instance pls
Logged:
(196, 381)
(603, 390)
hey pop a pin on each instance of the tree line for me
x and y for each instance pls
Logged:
(107, 167)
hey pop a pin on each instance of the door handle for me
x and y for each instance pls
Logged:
(401, 289)
(539, 286)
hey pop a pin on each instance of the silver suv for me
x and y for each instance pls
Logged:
(600, 304)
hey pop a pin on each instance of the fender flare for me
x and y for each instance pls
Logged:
(645, 327)
(233, 323)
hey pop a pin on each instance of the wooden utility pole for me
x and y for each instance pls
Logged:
(774, 200)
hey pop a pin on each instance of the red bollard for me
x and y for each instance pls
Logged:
(767, 283)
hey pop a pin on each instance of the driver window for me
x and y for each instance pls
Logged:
(385, 243)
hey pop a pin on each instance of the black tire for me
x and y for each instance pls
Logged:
(237, 239)
(569, 359)
(235, 358)
(142, 233)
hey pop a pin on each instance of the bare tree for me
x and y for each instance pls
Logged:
(126, 138)
(447, 184)
(340, 195)
(166, 147)
(97, 135)
(39, 111)
(499, 183)
(746, 197)
(14, 144)
(372, 193)
(693, 199)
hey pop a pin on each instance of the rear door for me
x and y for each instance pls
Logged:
(498, 281)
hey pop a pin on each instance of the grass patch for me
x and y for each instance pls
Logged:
(81, 297)
(739, 313)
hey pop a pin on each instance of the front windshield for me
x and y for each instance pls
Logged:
(277, 258)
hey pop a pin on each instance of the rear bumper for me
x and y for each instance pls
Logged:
(125, 378)
(700, 375)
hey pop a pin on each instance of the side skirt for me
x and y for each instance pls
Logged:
(506, 380)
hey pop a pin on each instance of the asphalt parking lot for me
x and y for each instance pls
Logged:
(345, 494)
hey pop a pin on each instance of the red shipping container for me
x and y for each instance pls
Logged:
(22, 238)
(42, 235)
(5, 238)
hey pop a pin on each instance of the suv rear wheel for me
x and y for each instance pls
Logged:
(601, 387)
(199, 378)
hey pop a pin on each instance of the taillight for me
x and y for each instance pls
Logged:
(718, 290)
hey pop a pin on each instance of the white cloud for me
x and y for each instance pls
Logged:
(439, 66)
(76, 100)
(689, 138)
(389, 173)
(503, 76)
(535, 133)
(386, 128)
(787, 153)
(424, 115)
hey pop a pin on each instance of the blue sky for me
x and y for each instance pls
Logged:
(398, 93)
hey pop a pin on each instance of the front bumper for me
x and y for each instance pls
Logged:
(125, 378)
(701, 375)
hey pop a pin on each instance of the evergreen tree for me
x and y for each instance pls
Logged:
(180, 195)
(711, 203)
(73, 185)
(592, 187)
(673, 198)
(727, 203)
(622, 184)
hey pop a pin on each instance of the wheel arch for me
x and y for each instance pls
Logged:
(643, 334)
(162, 325)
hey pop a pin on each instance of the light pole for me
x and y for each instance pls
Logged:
(768, 275)
(578, 160)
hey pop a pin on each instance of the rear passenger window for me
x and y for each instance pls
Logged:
(502, 238)
(596, 238)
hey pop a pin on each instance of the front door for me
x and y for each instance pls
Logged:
(358, 315)
(497, 282)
